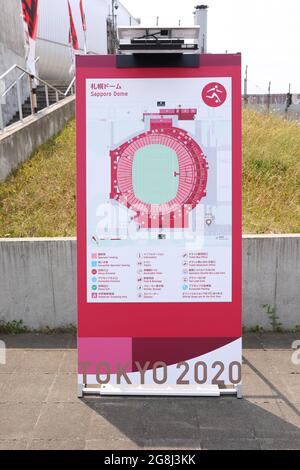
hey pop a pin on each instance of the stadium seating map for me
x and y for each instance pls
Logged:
(159, 190)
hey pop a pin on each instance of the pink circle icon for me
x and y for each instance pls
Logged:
(214, 94)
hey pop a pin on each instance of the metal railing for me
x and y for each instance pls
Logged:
(15, 82)
(17, 85)
(71, 87)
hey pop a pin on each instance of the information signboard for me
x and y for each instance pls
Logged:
(159, 224)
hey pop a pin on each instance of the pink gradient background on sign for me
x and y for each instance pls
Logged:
(111, 350)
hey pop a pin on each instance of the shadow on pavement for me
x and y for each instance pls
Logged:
(191, 423)
(40, 341)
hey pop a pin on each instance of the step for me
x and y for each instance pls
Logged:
(41, 102)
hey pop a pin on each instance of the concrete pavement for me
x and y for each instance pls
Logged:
(39, 408)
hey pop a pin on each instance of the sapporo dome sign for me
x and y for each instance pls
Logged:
(159, 224)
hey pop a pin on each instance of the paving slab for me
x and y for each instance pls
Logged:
(111, 444)
(119, 419)
(282, 360)
(230, 444)
(256, 386)
(13, 444)
(26, 388)
(280, 444)
(40, 361)
(63, 389)
(4, 381)
(171, 444)
(57, 444)
(69, 362)
(290, 412)
(290, 388)
(225, 419)
(252, 358)
(269, 421)
(63, 421)
(18, 420)
(13, 359)
(171, 418)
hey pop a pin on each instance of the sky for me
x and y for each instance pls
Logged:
(266, 32)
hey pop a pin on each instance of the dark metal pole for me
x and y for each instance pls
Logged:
(269, 97)
(289, 100)
(246, 87)
(114, 7)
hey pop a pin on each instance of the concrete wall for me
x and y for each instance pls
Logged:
(18, 142)
(38, 280)
(271, 276)
(11, 52)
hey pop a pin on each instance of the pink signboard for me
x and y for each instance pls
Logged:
(159, 226)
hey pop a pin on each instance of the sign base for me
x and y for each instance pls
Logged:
(157, 390)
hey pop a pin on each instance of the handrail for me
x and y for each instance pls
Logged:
(8, 71)
(15, 82)
(70, 86)
(19, 91)
(36, 77)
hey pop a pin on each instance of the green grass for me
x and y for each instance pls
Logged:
(14, 327)
(38, 200)
(271, 174)
(17, 327)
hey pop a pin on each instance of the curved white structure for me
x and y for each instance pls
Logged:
(53, 34)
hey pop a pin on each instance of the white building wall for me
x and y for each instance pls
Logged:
(53, 34)
(11, 52)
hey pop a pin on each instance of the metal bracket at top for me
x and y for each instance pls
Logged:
(125, 61)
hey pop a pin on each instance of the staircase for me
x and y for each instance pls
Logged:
(41, 101)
